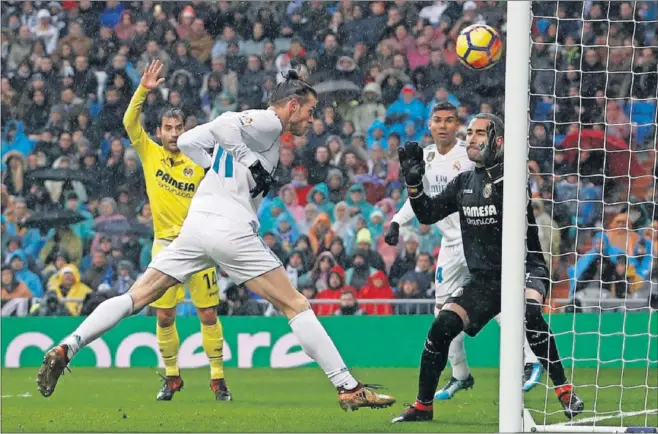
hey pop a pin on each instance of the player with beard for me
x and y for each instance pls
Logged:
(444, 160)
(239, 153)
(477, 197)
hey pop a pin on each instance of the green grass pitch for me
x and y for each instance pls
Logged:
(285, 400)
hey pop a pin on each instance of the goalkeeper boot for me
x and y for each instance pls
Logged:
(447, 391)
(363, 395)
(170, 385)
(220, 389)
(571, 403)
(54, 363)
(532, 375)
(417, 412)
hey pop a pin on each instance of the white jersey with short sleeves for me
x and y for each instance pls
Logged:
(440, 169)
(227, 146)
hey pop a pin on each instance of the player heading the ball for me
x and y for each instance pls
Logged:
(239, 152)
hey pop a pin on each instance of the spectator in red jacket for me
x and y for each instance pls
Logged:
(300, 184)
(332, 292)
(377, 288)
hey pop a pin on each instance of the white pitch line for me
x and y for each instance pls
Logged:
(600, 418)
(24, 395)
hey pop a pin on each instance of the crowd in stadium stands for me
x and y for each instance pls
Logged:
(69, 69)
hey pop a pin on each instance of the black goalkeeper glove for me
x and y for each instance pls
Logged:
(412, 167)
(392, 235)
(262, 178)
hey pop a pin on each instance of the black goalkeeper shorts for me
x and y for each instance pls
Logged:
(537, 278)
(480, 296)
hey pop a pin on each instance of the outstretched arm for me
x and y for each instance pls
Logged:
(132, 122)
(131, 119)
(427, 209)
(198, 144)
(405, 215)
(430, 210)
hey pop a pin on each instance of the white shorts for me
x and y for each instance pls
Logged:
(451, 272)
(207, 240)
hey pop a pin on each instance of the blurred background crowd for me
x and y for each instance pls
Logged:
(69, 69)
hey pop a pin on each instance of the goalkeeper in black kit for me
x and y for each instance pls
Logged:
(478, 198)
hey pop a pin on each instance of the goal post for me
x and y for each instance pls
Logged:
(514, 203)
(581, 99)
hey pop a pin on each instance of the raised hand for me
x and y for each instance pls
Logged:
(150, 78)
(392, 235)
(412, 167)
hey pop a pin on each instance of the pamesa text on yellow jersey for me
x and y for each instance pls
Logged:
(171, 178)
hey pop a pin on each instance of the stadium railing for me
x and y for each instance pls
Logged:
(560, 303)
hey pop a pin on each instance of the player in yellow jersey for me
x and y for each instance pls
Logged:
(171, 180)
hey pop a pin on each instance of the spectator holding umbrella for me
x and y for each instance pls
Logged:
(61, 239)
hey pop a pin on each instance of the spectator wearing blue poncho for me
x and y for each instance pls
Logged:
(356, 198)
(83, 229)
(429, 238)
(18, 262)
(411, 133)
(377, 135)
(15, 139)
(319, 196)
(30, 238)
(395, 191)
(269, 213)
(376, 222)
(286, 230)
(406, 108)
(442, 95)
(643, 260)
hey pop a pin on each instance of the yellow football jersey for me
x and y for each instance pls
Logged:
(171, 178)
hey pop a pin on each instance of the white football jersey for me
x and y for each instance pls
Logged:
(231, 143)
(439, 171)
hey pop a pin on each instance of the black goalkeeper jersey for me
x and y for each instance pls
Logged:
(478, 199)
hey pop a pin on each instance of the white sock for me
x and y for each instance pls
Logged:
(108, 314)
(457, 357)
(528, 355)
(317, 344)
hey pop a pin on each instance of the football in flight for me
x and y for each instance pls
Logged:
(479, 46)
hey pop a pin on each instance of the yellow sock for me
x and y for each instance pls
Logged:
(212, 338)
(168, 341)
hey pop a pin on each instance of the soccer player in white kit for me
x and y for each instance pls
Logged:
(443, 161)
(239, 152)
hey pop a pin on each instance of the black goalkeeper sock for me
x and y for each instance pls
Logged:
(541, 340)
(446, 326)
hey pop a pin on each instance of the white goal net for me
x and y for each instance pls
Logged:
(592, 170)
